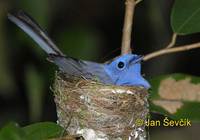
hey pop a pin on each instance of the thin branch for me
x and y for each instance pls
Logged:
(127, 29)
(171, 50)
(173, 41)
(137, 1)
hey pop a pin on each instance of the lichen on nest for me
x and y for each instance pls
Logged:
(108, 109)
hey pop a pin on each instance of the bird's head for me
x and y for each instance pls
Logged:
(126, 70)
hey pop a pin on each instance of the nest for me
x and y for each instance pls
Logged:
(110, 111)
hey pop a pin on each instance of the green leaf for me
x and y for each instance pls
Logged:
(37, 131)
(176, 95)
(185, 16)
(44, 130)
(12, 132)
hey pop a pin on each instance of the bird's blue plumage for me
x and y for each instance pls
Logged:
(124, 70)
(129, 74)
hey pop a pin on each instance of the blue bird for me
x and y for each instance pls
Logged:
(123, 70)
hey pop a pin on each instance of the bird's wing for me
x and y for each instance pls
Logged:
(66, 64)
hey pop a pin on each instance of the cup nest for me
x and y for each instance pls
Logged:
(108, 109)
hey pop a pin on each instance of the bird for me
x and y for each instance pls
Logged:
(124, 70)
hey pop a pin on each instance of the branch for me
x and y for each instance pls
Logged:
(173, 41)
(127, 29)
(137, 1)
(171, 50)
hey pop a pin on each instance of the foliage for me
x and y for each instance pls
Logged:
(176, 95)
(185, 16)
(37, 131)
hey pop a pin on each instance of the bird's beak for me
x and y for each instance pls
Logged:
(137, 60)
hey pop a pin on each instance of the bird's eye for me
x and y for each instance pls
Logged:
(121, 65)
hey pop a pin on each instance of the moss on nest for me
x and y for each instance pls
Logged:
(109, 109)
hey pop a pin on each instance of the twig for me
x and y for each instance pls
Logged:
(127, 29)
(173, 41)
(171, 50)
(137, 1)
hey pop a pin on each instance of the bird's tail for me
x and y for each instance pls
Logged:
(29, 26)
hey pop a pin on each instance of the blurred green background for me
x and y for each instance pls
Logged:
(85, 29)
